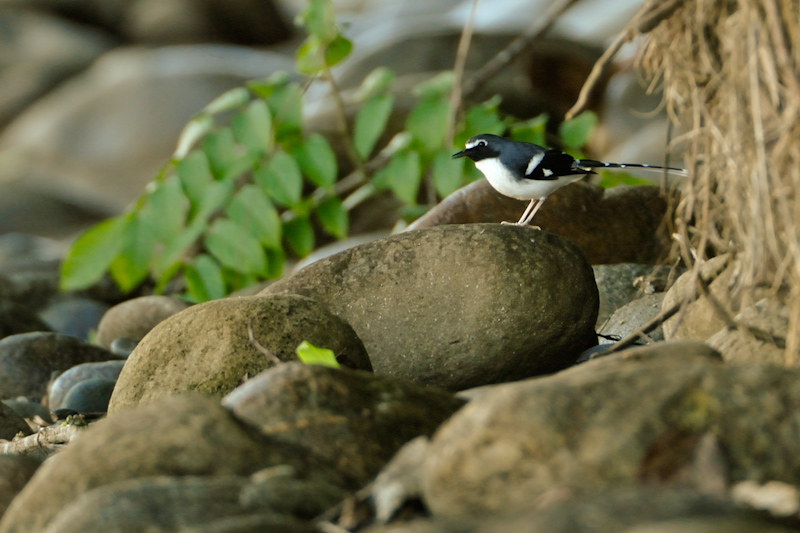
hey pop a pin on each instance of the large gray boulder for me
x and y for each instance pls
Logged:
(460, 306)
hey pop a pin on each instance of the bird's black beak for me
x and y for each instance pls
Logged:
(462, 153)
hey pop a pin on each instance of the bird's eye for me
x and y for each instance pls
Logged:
(481, 143)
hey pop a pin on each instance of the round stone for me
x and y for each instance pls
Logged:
(460, 306)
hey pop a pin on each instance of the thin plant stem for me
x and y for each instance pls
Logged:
(540, 25)
(458, 71)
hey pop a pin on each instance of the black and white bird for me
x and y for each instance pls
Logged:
(527, 171)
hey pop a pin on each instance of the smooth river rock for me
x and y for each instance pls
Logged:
(661, 414)
(460, 306)
(15, 318)
(27, 361)
(617, 225)
(354, 419)
(186, 435)
(63, 383)
(206, 348)
(134, 318)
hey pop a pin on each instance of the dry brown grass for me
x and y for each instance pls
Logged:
(729, 72)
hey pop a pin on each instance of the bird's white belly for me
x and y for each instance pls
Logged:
(506, 184)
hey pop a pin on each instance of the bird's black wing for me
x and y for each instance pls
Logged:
(555, 164)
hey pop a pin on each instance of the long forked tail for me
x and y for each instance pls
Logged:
(591, 163)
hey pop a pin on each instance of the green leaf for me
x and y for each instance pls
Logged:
(167, 276)
(214, 197)
(532, 131)
(333, 217)
(315, 53)
(194, 130)
(312, 355)
(575, 133)
(242, 164)
(437, 87)
(310, 57)
(253, 127)
(304, 207)
(252, 210)
(220, 148)
(319, 19)
(614, 179)
(276, 258)
(483, 118)
(412, 212)
(165, 210)
(170, 259)
(236, 280)
(337, 50)
(264, 87)
(402, 175)
(286, 105)
(132, 265)
(370, 123)
(299, 235)
(446, 173)
(194, 174)
(281, 178)
(377, 82)
(427, 122)
(227, 101)
(204, 279)
(235, 248)
(317, 160)
(92, 253)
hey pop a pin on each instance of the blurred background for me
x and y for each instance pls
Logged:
(94, 93)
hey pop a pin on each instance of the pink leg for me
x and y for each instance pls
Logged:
(527, 211)
(525, 220)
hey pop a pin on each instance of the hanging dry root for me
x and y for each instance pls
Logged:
(729, 72)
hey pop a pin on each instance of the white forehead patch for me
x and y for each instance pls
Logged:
(472, 143)
(534, 162)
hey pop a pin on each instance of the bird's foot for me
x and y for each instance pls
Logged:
(505, 223)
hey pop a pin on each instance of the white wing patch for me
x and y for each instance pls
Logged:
(534, 162)
(547, 172)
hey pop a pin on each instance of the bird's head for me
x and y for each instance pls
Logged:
(484, 146)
